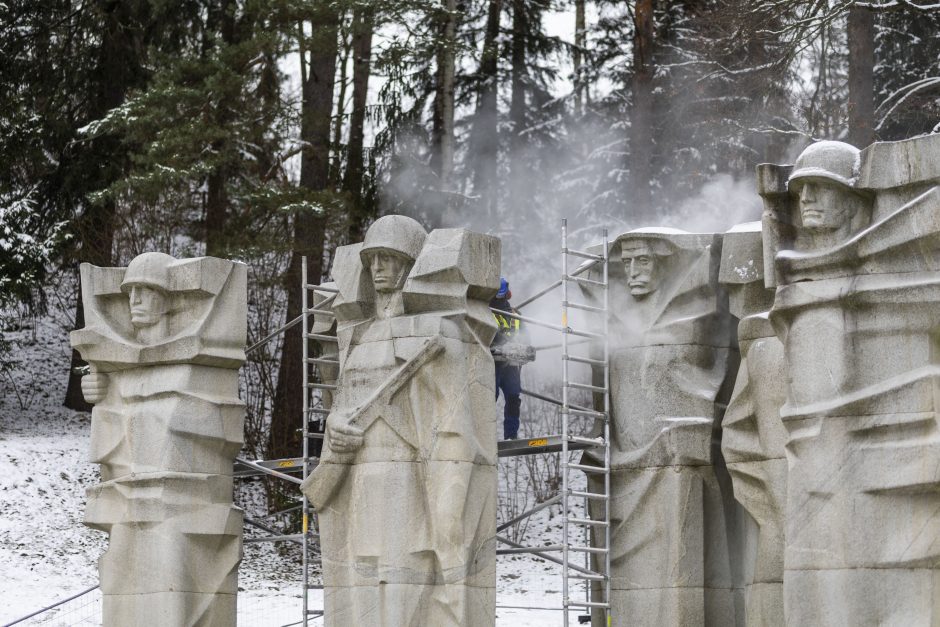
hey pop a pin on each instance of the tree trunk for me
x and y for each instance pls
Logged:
(118, 69)
(641, 120)
(317, 83)
(861, 35)
(580, 44)
(363, 25)
(442, 153)
(217, 198)
(517, 103)
(485, 139)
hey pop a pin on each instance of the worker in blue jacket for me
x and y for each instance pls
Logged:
(510, 351)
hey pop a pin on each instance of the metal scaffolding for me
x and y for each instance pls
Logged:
(577, 529)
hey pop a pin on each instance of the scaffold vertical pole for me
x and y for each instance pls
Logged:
(607, 414)
(305, 509)
(564, 418)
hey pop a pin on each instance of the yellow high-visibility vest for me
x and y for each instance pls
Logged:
(507, 326)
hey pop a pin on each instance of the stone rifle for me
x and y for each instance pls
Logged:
(323, 482)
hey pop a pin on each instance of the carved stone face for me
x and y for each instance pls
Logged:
(148, 305)
(388, 271)
(826, 206)
(641, 266)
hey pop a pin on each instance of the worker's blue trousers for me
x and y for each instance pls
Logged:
(509, 381)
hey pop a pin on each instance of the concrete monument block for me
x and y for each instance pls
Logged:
(672, 361)
(857, 312)
(753, 436)
(164, 339)
(405, 491)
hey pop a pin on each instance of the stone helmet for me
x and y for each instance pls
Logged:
(828, 160)
(399, 235)
(150, 269)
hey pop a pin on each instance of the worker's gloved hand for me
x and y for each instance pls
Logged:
(94, 387)
(344, 438)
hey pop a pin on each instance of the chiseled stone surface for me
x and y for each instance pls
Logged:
(672, 361)
(753, 436)
(164, 339)
(405, 491)
(858, 312)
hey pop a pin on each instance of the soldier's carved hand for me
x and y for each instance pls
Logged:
(94, 387)
(344, 438)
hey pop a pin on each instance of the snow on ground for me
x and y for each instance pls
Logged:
(47, 554)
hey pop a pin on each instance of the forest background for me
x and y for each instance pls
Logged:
(269, 130)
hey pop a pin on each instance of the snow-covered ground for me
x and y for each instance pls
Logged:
(47, 554)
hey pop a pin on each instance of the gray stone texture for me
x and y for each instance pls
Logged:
(753, 436)
(164, 339)
(405, 491)
(672, 360)
(857, 313)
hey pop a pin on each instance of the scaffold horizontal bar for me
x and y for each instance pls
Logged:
(585, 360)
(322, 288)
(319, 411)
(536, 445)
(586, 549)
(583, 268)
(321, 312)
(314, 586)
(586, 386)
(321, 337)
(270, 336)
(588, 521)
(580, 253)
(322, 361)
(524, 515)
(589, 495)
(588, 604)
(545, 556)
(587, 441)
(294, 537)
(589, 577)
(599, 470)
(322, 386)
(581, 280)
(530, 607)
(287, 464)
(268, 471)
(582, 306)
(531, 549)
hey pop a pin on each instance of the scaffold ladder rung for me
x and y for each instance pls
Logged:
(599, 470)
(320, 336)
(588, 413)
(589, 495)
(586, 386)
(585, 360)
(584, 307)
(587, 604)
(587, 577)
(321, 361)
(587, 441)
(587, 549)
(583, 281)
(321, 288)
(588, 521)
(321, 386)
(583, 254)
